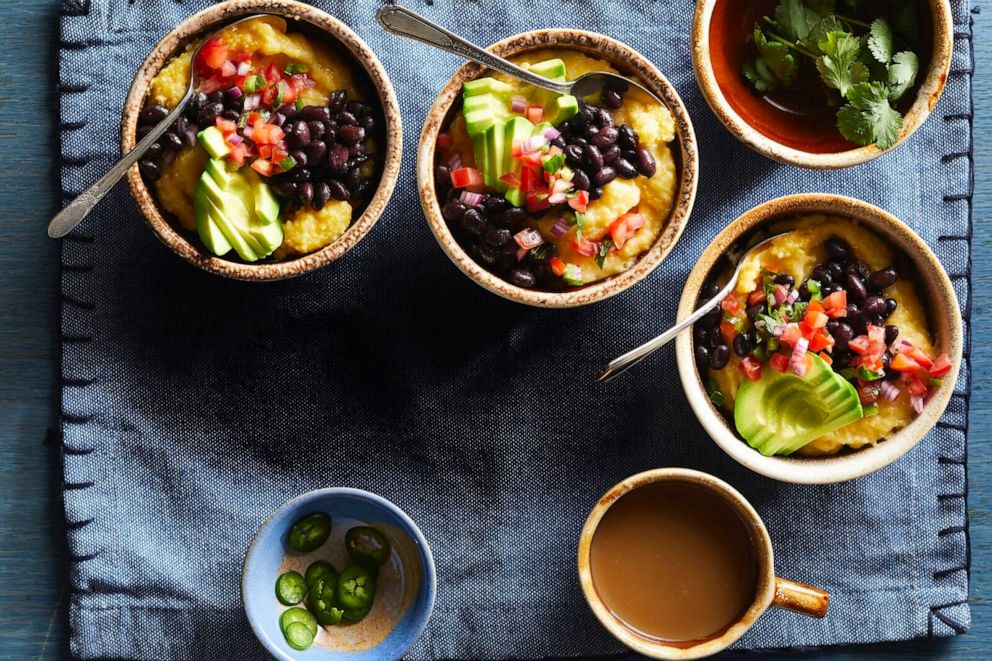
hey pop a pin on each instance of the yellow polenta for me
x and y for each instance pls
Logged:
(796, 254)
(652, 197)
(306, 230)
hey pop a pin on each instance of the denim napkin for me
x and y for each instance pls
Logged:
(194, 405)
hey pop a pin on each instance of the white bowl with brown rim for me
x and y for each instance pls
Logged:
(333, 32)
(717, 68)
(943, 318)
(628, 62)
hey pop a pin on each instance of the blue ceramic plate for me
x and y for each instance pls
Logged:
(406, 586)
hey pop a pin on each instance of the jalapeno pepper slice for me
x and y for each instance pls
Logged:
(310, 532)
(367, 546)
(356, 591)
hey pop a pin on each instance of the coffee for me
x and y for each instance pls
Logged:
(674, 562)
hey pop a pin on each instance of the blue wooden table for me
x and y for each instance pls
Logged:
(33, 567)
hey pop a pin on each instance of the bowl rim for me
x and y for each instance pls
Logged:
(763, 547)
(649, 75)
(206, 20)
(302, 500)
(930, 275)
(926, 98)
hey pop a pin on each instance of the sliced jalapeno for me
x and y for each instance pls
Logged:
(298, 635)
(310, 532)
(367, 546)
(320, 568)
(297, 614)
(356, 591)
(291, 588)
(323, 600)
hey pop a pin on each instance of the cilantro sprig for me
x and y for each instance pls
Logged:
(869, 64)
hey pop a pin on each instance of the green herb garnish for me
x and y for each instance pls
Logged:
(866, 374)
(862, 61)
(299, 104)
(604, 248)
(553, 163)
(287, 163)
(714, 392)
(294, 68)
(580, 219)
(254, 83)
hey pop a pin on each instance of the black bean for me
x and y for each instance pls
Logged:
(606, 137)
(453, 211)
(612, 99)
(753, 310)
(580, 180)
(596, 193)
(212, 111)
(299, 134)
(852, 310)
(285, 187)
(515, 216)
(646, 164)
(338, 190)
(842, 335)
(350, 134)
(593, 158)
(559, 142)
(497, 236)
(860, 268)
(336, 101)
(172, 141)
(316, 151)
(522, 278)
(702, 356)
(890, 306)
(883, 278)
(785, 279)
(700, 333)
(581, 142)
(356, 150)
(353, 178)
(741, 345)
(149, 169)
(832, 289)
(855, 287)
(316, 129)
(306, 192)
(198, 101)
(494, 204)
(713, 319)
(442, 176)
(573, 155)
(625, 168)
(321, 194)
(604, 176)
(287, 110)
(874, 305)
(821, 275)
(474, 223)
(315, 113)
(872, 319)
(358, 109)
(591, 131)
(345, 118)
(719, 357)
(710, 290)
(891, 333)
(611, 154)
(838, 249)
(627, 138)
(836, 271)
(300, 174)
(153, 114)
(337, 158)
(603, 118)
(832, 326)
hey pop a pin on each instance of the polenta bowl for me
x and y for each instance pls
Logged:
(837, 350)
(549, 199)
(288, 151)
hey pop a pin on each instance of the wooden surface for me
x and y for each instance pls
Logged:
(33, 595)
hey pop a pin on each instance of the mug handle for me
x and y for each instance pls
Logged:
(800, 598)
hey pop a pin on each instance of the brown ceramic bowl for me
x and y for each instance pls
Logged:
(709, 58)
(628, 62)
(336, 34)
(933, 287)
(769, 590)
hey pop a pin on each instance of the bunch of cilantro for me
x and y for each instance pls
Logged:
(866, 69)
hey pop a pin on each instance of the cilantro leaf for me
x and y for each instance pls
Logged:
(794, 19)
(580, 219)
(758, 73)
(880, 40)
(902, 73)
(776, 66)
(838, 66)
(868, 118)
(827, 24)
(604, 248)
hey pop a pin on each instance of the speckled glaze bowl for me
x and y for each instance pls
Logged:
(944, 317)
(334, 31)
(933, 81)
(769, 591)
(389, 630)
(628, 62)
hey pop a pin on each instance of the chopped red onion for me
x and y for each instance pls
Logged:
(778, 330)
(888, 391)
(780, 294)
(471, 199)
(235, 139)
(518, 104)
(234, 91)
(455, 161)
(244, 68)
(248, 131)
(533, 143)
(559, 228)
(557, 198)
(528, 238)
(792, 297)
(552, 133)
(918, 401)
(797, 362)
(253, 101)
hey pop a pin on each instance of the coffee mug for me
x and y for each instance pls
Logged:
(769, 589)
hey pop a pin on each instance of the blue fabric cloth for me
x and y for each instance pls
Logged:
(194, 405)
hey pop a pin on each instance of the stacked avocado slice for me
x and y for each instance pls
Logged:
(235, 210)
(494, 128)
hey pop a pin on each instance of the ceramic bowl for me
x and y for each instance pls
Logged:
(300, 17)
(398, 616)
(628, 62)
(934, 288)
(742, 125)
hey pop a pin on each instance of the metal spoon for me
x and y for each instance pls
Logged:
(405, 23)
(631, 358)
(79, 208)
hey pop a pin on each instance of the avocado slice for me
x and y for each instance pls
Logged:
(517, 129)
(266, 204)
(236, 209)
(782, 412)
(213, 141)
(231, 216)
(210, 233)
(564, 108)
(487, 85)
(553, 69)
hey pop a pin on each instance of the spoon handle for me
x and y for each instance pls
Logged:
(79, 208)
(634, 356)
(405, 23)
